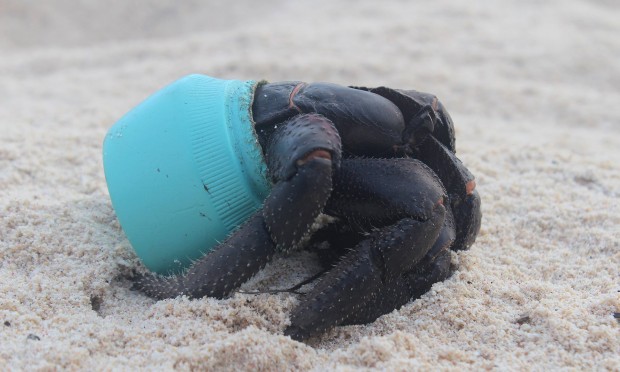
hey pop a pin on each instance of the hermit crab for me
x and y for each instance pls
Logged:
(380, 161)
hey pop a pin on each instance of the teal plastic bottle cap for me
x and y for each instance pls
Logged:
(184, 169)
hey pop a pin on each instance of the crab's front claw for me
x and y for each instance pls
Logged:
(430, 134)
(423, 114)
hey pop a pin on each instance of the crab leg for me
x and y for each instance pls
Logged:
(300, 157)
(434, 267)
(415, 223)
(438, 152)
(430, 133)
(363, 275)
(230, 264)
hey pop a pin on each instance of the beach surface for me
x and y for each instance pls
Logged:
(534, 91)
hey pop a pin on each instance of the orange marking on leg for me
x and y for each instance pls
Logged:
(470, 187)
(291, 104)
(313, 155)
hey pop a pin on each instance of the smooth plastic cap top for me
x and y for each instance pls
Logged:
(184, 168)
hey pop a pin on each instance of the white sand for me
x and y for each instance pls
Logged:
(533, 88)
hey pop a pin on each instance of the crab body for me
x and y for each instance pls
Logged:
(382, 162)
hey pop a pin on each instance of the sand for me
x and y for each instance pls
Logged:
(532, 87)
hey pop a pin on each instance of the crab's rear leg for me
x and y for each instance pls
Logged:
(406, 198)
(301, 157)
(433, 268)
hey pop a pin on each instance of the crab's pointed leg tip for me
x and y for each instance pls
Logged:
(136, 282)
(296, 333)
